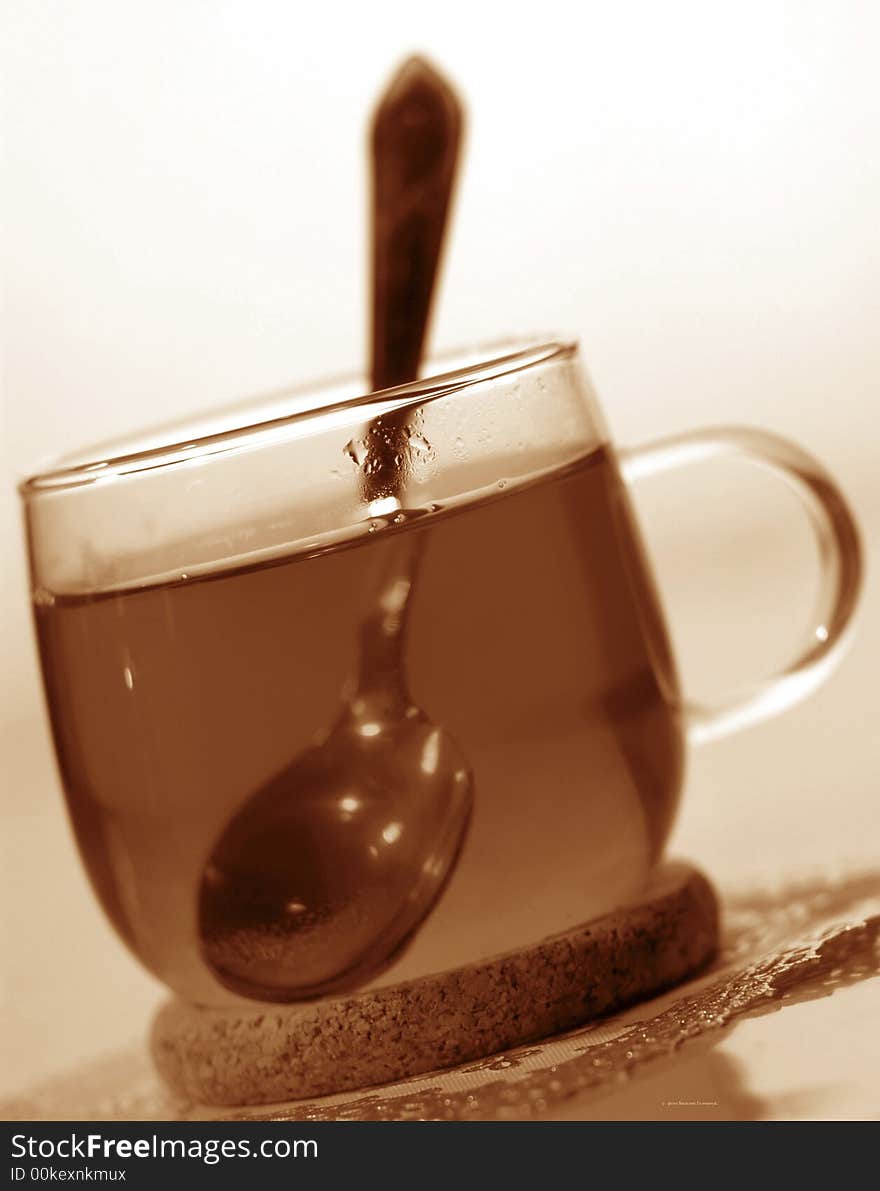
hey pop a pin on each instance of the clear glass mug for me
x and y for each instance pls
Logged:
(204, 600)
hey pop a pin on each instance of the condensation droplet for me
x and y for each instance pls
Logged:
(356, 451)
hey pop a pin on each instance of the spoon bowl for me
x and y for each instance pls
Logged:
(325, 874)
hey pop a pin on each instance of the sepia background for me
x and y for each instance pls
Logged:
(691, 189)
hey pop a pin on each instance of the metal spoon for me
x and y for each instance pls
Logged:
(327, 871)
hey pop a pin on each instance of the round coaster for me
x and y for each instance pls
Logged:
(267, 1053)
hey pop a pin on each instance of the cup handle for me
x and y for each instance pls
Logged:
(840, 555)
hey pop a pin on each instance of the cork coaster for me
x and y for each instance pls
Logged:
(267, 1053)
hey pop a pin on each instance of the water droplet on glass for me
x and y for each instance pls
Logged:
(355, 450)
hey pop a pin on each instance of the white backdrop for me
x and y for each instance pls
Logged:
(690, 188)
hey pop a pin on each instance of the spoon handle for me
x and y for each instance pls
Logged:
(415, 140)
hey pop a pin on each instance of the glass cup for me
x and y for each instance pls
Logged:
(313, 738)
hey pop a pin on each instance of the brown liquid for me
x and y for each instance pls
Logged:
(534, 638)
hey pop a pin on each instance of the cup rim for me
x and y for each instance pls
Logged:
(517, 356)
